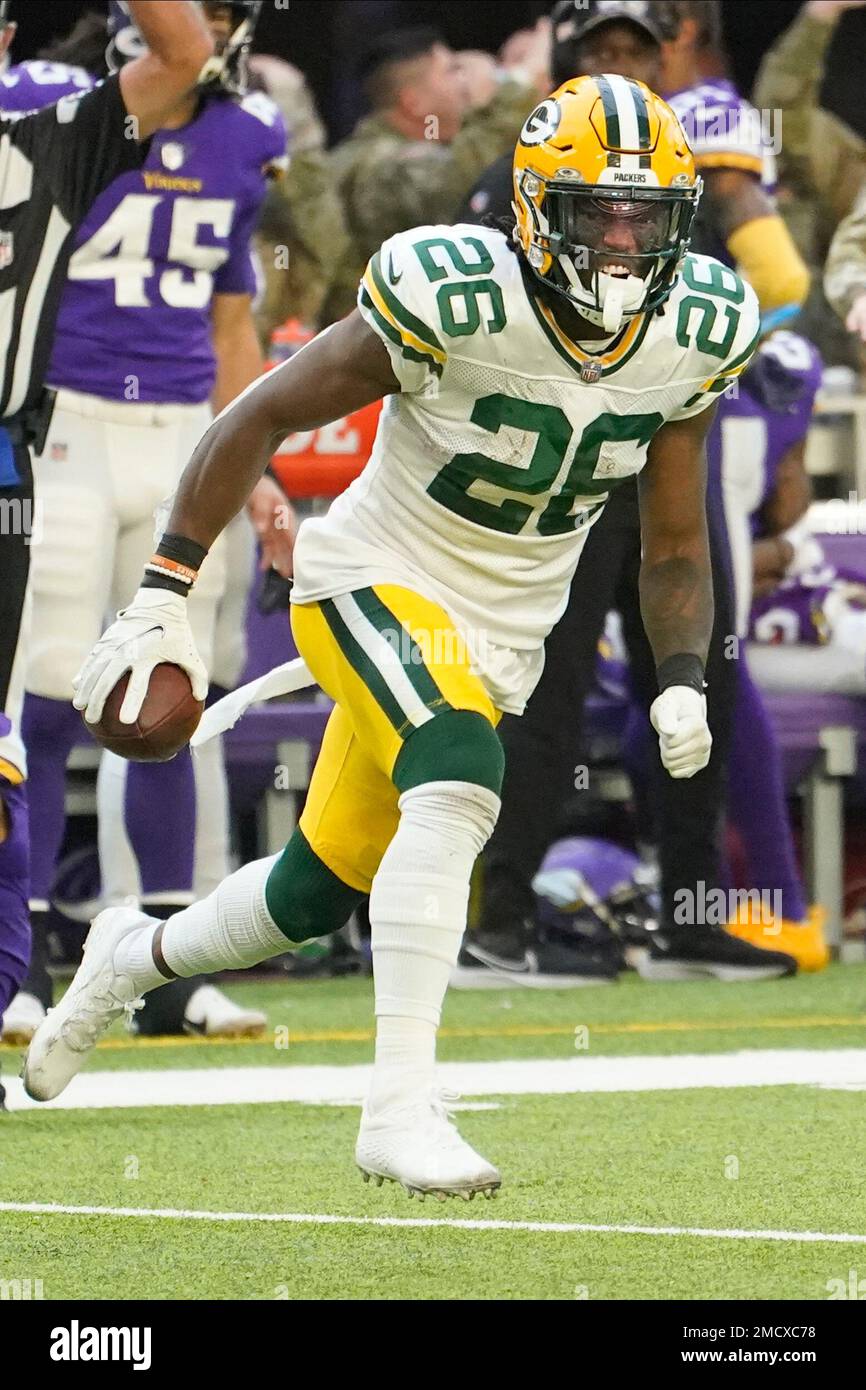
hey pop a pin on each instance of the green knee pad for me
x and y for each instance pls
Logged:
(304, 897)
(459, 745)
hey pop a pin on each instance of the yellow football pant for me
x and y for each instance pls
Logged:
(392, 661)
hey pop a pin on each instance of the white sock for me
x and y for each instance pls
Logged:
(211, 818)
(418, 910)
(118, 866)
(134, 957)
(229, 930)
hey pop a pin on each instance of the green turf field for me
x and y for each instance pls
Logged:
(697, 1172)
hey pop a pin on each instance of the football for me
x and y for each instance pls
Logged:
(167, 720)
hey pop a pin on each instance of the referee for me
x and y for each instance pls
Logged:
(54, 163)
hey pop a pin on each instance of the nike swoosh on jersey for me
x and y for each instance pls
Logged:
(394, 279)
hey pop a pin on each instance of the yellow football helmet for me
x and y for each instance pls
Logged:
(605, 192)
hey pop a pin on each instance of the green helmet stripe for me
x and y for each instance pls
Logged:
(611, 114)
(643, 128)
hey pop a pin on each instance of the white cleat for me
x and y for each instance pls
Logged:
(21, 1019)
(416, 1145)
(214, 1015)
(97, 996)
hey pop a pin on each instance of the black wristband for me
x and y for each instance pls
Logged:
(683, 669)
(174, 565)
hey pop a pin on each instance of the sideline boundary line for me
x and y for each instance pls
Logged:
(536, 1227)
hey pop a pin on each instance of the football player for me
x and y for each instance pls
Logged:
(739, 223)
(652, 42)
(806, 621)
(154, 329)
(734, 153)
(526, 376)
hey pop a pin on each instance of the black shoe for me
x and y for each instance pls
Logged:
(503, 959)
(164, 1012)
(700, 953)
(38, 981)
(329, 958)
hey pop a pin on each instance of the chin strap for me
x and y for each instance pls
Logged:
(621, 297)
(614, 290)
(576, 290)
(612, 307)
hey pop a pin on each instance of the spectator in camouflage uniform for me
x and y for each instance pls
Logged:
(822, 161)
(437, 120)
(302, 234)
(845, 272)
(821, 155)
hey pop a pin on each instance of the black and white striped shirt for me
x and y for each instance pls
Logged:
(53, 165)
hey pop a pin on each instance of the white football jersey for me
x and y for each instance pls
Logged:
(492, 463)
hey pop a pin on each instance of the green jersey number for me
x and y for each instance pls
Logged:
(459, 308)
(461, 314)
(467, 297)
(556, 519)
(553, 434)
(719, 281)
(482, 265)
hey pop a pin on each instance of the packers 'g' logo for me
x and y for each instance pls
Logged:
(543, 123)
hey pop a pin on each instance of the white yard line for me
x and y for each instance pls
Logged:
(838, 1069)
(537, 1227)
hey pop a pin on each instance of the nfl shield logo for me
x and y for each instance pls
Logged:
(590, 371)
(173, 155)
(59, 453)
(7, 251)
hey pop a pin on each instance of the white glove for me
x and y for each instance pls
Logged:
(154, 628)
(679, 717)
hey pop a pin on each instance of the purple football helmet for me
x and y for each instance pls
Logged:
(226, 69)
(585, 884)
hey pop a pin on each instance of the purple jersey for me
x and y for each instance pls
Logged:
(770, 411)
(803, 609)
(134, 320)
(769, 416)
(724, 132)
(754, 430)
(30, 86)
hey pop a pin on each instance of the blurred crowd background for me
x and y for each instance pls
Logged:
(321, 37)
